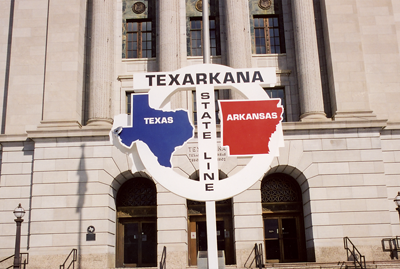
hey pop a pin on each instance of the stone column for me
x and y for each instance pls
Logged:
(238, 34)
(101, 62)
(64, 68)
(308, 69)
(248, 222)
(172, 225)
(169, 35)
(169, 44)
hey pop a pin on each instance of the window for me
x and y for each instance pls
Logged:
(219, 95)
(278, 93)
(268, 35)
(128, 102)
(140, 39)
(196, 37)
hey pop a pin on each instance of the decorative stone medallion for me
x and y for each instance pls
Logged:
(138, 7)
(265, 4)
(199, 5)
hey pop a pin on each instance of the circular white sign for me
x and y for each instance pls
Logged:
(192, 189)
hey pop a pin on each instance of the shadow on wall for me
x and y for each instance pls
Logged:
(82, 189)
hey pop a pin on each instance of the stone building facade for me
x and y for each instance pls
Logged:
(67, 68)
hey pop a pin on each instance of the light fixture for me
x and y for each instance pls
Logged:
(397, 201)
(19, 212)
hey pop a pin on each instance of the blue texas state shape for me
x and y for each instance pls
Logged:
(162, 131)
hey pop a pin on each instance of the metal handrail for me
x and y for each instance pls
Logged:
(74, 253)
(258, 252)
(24, 263)
(354, 253)
(3, 260)
(394, 246)
(163, 264)
(257, 259)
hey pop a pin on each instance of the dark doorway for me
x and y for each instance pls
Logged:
(282, 242)
(284, 236)
(222, 235)
(139, 240)
(198, 230)
(137, 224)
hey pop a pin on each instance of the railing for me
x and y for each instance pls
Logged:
(352, 252)
(391, 245)
(258, 257)
(23, 262)
(258, 253)
(74, 253)
(163, 264)
(6, 259)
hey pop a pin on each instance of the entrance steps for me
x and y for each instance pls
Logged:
(395, 264)
(339, 265)
(305, 265)
(310, 265)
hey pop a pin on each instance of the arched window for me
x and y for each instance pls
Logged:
(280, 188)
(137, 192)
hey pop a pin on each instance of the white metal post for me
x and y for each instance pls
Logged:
(206, 33)
(212, 246)
(208, 162)
(211, 217)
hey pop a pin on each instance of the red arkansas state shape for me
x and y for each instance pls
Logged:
(247, 126)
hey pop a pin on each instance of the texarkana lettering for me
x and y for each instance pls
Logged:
(203, 78)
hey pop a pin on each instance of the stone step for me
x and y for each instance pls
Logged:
(310, 265)
(340, 265)
(395, 264)
(305, 265)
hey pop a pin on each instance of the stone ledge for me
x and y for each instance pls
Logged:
(13, 138)
(130, 76)
(85, 131)
(393, 125)
(314, 125)
(88, 131)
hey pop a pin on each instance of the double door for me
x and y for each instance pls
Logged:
(198, 238)
(137, 243)
(284, 240)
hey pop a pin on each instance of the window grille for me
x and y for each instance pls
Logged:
(280, 188)
(137, 192)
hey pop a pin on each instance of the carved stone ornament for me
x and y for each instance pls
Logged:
(138, 7)
(199, 5)
(265, 4)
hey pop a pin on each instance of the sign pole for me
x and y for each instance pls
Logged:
(208, 162)
(212, 247)
(211, 218)
(206, 33)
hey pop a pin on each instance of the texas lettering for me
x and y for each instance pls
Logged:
(159, 120)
